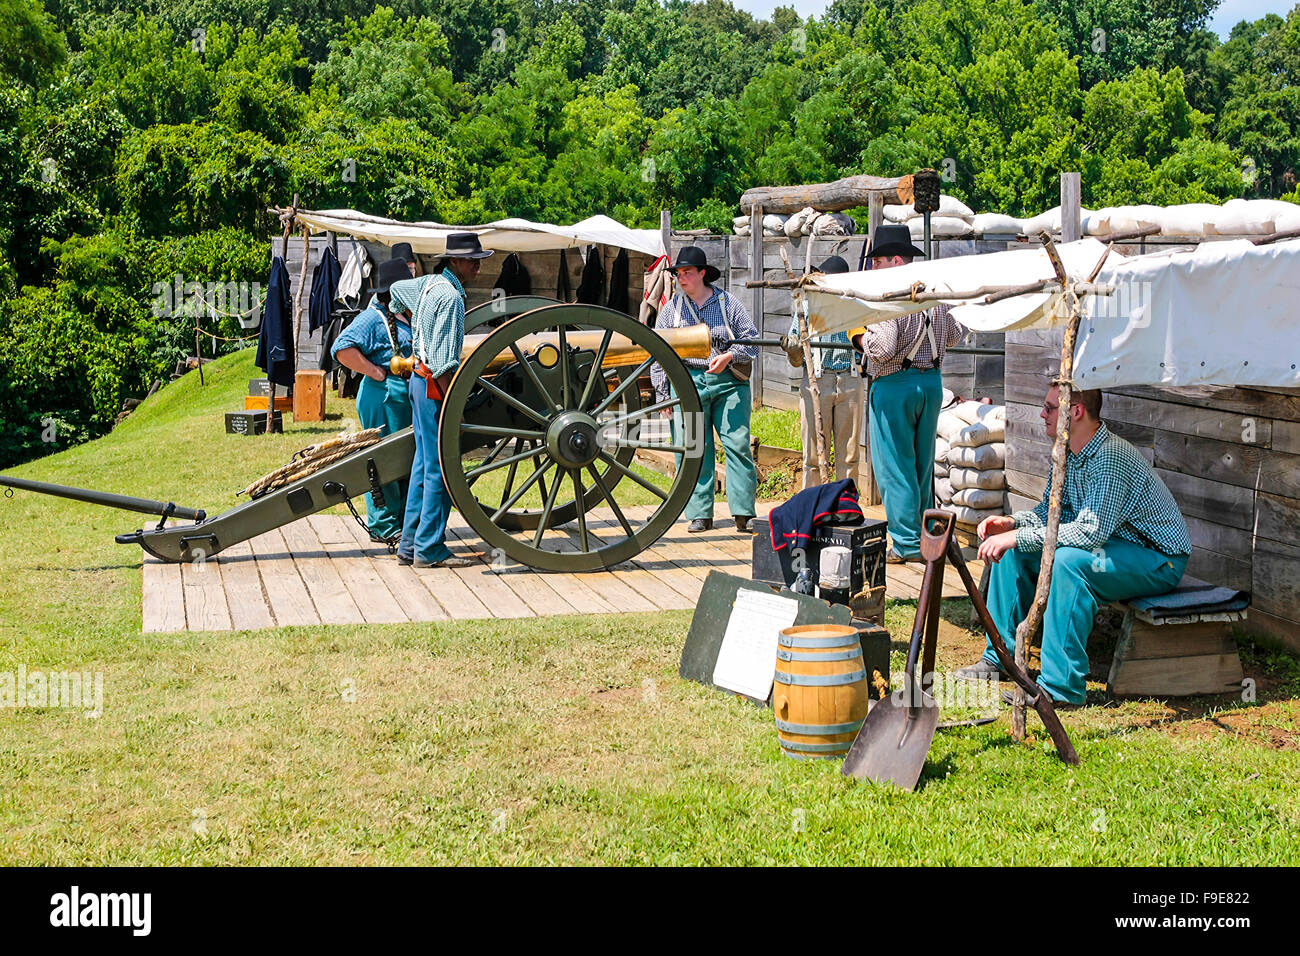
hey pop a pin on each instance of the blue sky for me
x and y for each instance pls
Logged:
(1224, 19)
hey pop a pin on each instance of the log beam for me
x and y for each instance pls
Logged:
(828, 197)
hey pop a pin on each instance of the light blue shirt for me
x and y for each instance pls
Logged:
(367, 333)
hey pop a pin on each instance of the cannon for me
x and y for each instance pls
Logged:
(550, 399)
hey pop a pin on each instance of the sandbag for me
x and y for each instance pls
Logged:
(1238, 221)
(981, 457)
(997, 224)
(978, 498)
(941, 469)
(941, 449)
(991, 479)
(945, 228)
(949, 208)
(949, 397)
(1188, 219)
(981, 433)
(943, 489)
(833, 224)
(971, 412)
(949, 426)
(738, 221)
(800, 223)
(970, 517)
(1125, 219)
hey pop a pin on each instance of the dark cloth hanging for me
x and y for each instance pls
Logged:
(514, 278)
(339, 321)
(592, 287)
(834, 503)
(275, 345)
(618, 283)
(563, 289)
(324, 286)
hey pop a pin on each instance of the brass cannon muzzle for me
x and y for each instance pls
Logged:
(692, 341)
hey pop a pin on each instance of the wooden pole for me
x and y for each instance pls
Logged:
(827, 197)
(1030, 626)
(756, 274)
(1071, 207)
(666, 230)
(814, 388)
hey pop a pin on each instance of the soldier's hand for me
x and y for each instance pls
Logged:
(793, 350)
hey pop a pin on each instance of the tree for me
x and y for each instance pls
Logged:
(31, 48)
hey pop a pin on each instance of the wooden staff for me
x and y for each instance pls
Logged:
(1030, 626)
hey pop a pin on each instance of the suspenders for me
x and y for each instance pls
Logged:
(927, 332)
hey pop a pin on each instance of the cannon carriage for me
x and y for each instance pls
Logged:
(550, 398)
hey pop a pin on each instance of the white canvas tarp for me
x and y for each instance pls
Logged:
(505, 235)
(1226, 313)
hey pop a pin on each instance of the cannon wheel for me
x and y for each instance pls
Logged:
(573, 433)
(500, 310)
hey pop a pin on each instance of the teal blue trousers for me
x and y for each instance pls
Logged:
(1082, 581)
(385, 404)
(726, 402)
(904, 417)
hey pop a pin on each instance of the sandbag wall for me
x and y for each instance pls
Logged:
(970, 460)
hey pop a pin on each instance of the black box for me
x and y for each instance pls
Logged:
(866, 542)
(252, 423)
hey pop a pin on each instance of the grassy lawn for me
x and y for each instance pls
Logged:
(568, 740)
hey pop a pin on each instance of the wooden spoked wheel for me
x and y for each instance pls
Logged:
(502, 309)
(548, 401)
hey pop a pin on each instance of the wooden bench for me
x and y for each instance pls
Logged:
(1193, 653)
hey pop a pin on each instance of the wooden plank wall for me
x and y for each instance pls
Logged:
(543, 268)
(1230, 457)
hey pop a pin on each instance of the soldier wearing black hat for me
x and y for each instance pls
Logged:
(903, 358)
(435, 304)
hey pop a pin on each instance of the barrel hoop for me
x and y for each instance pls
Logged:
(840, 747)
(796, 756)
(820, 680)
(848, 655)
(852, 727)
(844, 640)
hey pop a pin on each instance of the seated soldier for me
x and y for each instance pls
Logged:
(1121, 536)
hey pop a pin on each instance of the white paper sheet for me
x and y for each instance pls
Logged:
(747, 657)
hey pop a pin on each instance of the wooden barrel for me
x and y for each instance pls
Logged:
(820, 692)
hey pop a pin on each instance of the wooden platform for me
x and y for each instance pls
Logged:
(315, 571)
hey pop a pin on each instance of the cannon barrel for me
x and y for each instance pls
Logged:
(691, 341)
(106, 498)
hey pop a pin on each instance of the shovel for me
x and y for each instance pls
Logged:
(892, 745)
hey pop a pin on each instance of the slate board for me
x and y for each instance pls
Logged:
(713, 610)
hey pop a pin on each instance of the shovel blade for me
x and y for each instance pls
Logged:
(893, 743)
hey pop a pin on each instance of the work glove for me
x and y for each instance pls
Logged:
(793, 350)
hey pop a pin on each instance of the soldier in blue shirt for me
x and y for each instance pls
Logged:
(366, 346)
(1121, 536)
(436, 306)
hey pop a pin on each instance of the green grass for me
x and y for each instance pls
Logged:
(569, 740)
(776, 427)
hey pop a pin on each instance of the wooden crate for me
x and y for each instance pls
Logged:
(1174, 659)
(309, 396)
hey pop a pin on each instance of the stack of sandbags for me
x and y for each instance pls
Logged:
(741, 226)
(977, 452)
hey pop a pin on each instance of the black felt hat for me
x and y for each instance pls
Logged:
(403, 251)
(833, 266)
(465, 245)
(694, 256)
(893, 239)
(387, 273)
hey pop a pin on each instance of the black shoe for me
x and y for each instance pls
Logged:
(700, 524)
(980, 670)
(1008, 697)
(744, 523)
(404, 561)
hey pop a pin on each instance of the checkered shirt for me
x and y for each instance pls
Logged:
(437, 319)
(887, 343)
(1110, 492)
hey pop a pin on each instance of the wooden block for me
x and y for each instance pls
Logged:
(309, 396)
(1140, 640)
(1176, 676)
(258, 403)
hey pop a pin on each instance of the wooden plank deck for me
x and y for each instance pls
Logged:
(316, 571)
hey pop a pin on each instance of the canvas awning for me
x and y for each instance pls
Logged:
(505, 235)
(1226, 313)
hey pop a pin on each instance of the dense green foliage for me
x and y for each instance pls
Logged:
(148, 141)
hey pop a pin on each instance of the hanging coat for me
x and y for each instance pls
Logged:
(592, 287)
(514, 278)
(353, 278)
(563, 289)
(618, 282)
(275, 347)
(324, 284)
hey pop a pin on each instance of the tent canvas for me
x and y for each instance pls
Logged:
(504, 235)
(1222, 314)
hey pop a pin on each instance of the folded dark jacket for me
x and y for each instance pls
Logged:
(832, 503)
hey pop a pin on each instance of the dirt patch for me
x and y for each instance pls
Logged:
(1275, 725)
